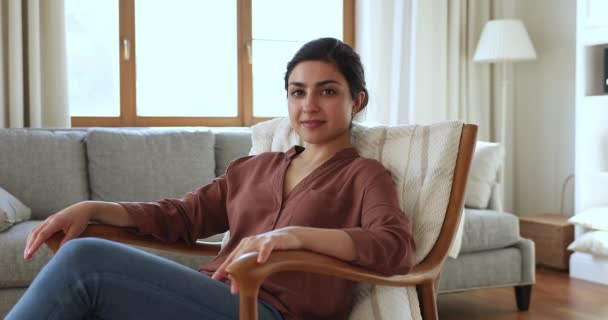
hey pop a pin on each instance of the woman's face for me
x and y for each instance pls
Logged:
(320, 105)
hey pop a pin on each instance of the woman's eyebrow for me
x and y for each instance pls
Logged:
(324, 82)
(318, 84)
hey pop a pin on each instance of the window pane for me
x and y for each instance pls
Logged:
(268, 70)
(92, 57)
(296, 19)
(186, 58)
(280, 28)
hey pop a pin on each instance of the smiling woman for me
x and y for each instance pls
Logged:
(325, 87)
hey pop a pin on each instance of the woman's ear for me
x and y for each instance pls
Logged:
(358, 102)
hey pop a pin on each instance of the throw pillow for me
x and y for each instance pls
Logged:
(594, 218)
(488, 158)
(594, 242)
(12, 210)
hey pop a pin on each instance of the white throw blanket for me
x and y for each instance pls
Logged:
(421, 160)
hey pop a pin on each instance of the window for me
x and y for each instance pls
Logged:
(189, 62)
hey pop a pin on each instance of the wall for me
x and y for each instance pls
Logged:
(543, 107)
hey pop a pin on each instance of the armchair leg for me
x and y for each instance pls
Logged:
(248, 307)
(428, 299)
(522, 296)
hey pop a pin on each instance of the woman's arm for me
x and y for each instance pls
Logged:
(109, 213)
(332, 242)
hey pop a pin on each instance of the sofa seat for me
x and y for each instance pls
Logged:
(488, 230)
(15, 272)
(484, 269)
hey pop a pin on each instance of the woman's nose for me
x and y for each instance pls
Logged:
(311, 104)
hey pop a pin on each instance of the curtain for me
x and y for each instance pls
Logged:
(383, 38)
(418, 56)
(33, 74)
(418, 61)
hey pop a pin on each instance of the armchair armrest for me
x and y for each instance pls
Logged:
(246, 269)
(129, 236)
(249, 274)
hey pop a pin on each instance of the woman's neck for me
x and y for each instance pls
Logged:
(315, 154)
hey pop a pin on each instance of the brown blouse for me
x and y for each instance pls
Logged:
(346, 192)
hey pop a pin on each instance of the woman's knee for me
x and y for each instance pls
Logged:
(82, 251)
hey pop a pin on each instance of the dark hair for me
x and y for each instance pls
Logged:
(339, 53)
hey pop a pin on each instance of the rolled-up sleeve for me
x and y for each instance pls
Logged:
(384, 242)
(199, 214)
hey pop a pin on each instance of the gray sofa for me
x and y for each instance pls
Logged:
(50, 169)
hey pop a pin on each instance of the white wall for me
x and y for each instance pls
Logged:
(543, 107)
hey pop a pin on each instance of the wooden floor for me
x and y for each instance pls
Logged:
(555, 296)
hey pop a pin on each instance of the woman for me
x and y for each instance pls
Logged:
(323, 198)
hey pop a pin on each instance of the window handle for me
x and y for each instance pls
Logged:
(248, 45)
(126, 48)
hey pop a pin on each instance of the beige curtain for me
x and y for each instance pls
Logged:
(33, 74)
(383, 39)
(418, 61)
(448, 84)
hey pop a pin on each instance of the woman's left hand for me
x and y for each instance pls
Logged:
(263, 244)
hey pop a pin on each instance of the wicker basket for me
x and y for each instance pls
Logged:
(551, 234)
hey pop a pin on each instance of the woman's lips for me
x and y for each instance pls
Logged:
(311, 124)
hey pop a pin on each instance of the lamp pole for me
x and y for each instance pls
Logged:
(503, 130)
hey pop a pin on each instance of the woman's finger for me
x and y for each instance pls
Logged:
(30, 237)
(41, 236)
(265, 251)
(35, 244)
(234, 287)
(243, 247)
(221, 270)
(31, 240)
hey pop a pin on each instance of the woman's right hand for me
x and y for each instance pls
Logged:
(72, 221)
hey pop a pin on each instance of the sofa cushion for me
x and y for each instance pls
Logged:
(15, 272)
(230, 144)
(488, 229)
(45, 169)
(148, 164)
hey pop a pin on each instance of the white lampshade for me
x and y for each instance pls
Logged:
(504, 40)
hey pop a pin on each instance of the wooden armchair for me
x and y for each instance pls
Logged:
(250, 274)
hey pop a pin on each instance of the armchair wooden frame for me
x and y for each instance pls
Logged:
(250, 275)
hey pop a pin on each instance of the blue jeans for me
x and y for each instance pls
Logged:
(99, 279)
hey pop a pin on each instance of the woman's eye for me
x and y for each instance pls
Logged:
(328, 91)
(297, 92)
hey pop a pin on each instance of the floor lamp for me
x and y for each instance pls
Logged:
(502, 42)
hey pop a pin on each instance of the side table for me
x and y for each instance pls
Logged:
(551, 234)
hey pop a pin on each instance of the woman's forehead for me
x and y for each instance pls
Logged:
(310, 72)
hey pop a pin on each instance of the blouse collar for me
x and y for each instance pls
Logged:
(350, 152)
